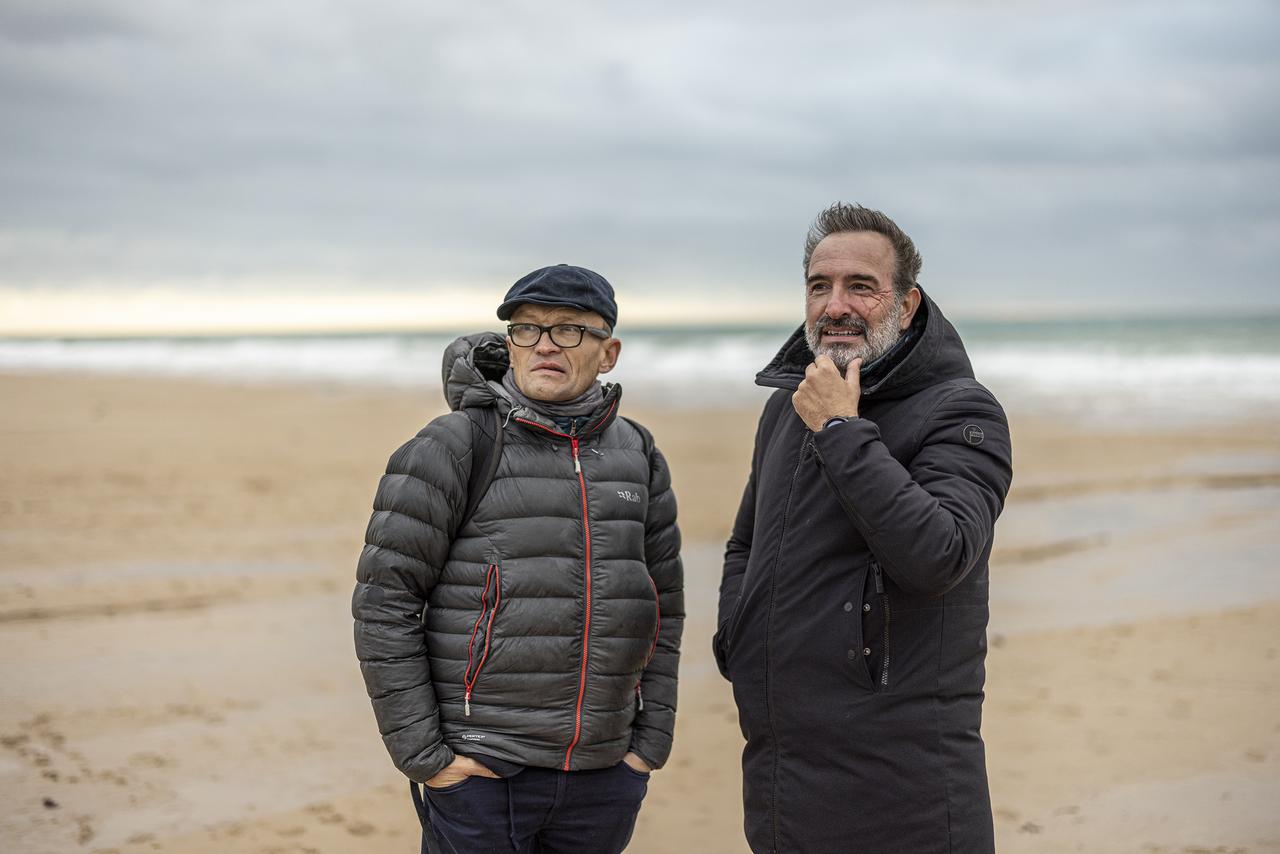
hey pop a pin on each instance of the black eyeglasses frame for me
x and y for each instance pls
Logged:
(603, 334)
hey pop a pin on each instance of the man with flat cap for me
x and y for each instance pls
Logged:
(519, 599)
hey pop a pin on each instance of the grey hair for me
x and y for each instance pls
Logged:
(841, 217)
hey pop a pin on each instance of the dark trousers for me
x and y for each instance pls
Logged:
(536, 811)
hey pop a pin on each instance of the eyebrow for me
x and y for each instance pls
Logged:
(566, 320)
(555, 320)
(855, 277)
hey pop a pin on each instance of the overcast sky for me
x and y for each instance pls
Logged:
(1042, 155)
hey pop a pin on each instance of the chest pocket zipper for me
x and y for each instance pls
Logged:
(492, 580)
(884, 600)
(653, 647)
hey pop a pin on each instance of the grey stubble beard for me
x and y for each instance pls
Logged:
(875, 339)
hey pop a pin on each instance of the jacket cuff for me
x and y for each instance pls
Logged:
(433, 763)
(646, 754)
(719, 652)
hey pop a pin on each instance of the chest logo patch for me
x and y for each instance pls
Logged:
(628, 495)
(973, 434)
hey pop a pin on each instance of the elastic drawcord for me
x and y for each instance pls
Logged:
(430, 843)
(418, 804)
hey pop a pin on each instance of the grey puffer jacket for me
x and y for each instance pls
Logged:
(543, 631)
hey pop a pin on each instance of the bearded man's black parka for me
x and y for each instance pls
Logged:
(542, 631)
(853, 607)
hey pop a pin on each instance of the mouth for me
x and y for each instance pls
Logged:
(844, 329)
(547, 367)
(840, 334)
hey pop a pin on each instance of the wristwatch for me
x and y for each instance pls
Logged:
(834, 420)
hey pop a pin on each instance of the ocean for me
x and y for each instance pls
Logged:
(1144, 371)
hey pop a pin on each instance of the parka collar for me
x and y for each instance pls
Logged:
(598, 420)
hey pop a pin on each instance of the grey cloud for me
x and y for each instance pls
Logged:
(60, 21)
(407, 142)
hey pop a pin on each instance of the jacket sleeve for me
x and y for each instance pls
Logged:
(929, 522)
(738, 550)
(415, 513)
(655, 721)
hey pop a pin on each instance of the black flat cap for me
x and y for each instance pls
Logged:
(563, 284)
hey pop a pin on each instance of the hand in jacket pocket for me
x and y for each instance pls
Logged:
(458, 770)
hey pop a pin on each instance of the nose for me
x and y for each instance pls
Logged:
(545, 345)
(839, 305)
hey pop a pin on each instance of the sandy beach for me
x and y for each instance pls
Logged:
(176, 560)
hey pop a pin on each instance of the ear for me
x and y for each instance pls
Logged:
(910, 303)
(612, 348)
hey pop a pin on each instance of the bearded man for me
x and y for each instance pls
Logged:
(853, 605)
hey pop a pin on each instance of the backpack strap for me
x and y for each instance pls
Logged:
(646, 438)
(486, 454)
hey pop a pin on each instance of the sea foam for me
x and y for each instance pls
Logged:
(1143, 372)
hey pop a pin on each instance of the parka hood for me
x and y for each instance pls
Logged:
(930, 351)
(473, 369)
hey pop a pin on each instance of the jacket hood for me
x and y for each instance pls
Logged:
(472, 377)
(473, 369)
(928, 353)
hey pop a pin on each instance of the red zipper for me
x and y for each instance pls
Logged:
(586, 625)
(494, 577)
(586, 529)
(603, 418)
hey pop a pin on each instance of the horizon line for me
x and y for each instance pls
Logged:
(743, 324)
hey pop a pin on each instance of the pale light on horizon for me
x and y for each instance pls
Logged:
(172, 312)
(166, 312)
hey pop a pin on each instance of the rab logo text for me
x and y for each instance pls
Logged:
(628, 495)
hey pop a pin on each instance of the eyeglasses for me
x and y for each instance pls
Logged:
(565, 335)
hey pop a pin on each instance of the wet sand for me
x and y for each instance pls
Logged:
(176, 560)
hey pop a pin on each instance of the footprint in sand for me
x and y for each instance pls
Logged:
(150, 760)
(84, 830)
(325, 814)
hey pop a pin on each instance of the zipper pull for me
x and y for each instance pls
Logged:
(577, 466)
(639, 698)
(875, 568)
(466, 703)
